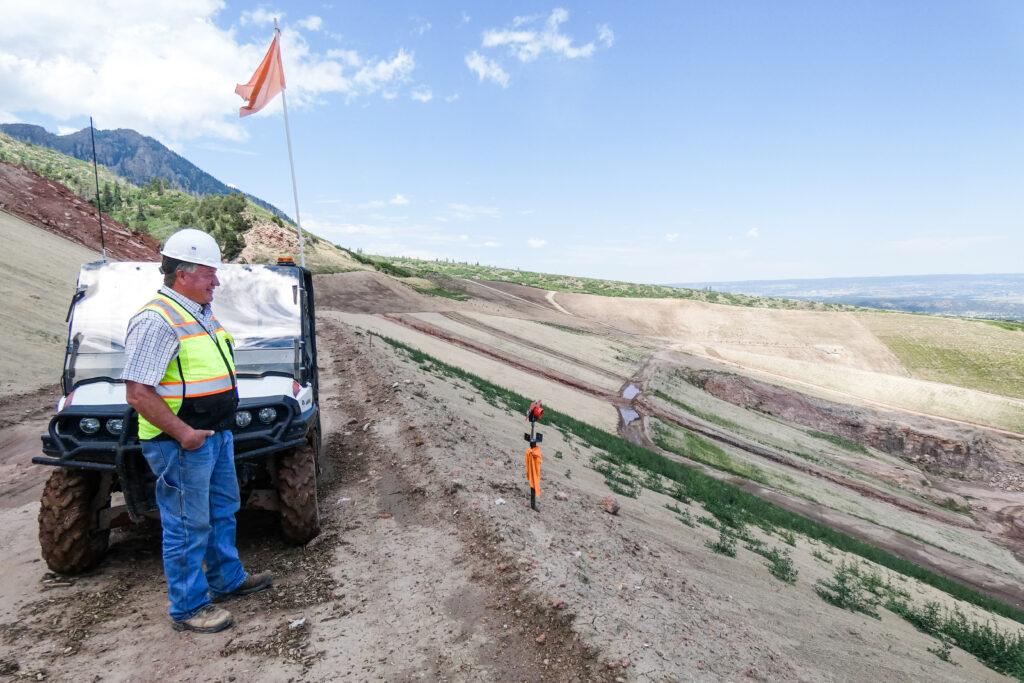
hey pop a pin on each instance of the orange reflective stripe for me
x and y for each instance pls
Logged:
(201, 381)
(168, 308)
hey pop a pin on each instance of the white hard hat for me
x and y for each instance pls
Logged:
(193, 246)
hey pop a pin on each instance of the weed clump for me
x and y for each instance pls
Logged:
(846, 591)
(725, 545)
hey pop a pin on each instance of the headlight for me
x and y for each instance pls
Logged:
(243, 418)
(89, 425)
(115, 426)
(267, 415)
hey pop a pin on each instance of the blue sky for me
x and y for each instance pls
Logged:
(654, 142)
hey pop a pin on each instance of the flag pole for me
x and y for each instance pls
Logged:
(291, 164)
(96, 175)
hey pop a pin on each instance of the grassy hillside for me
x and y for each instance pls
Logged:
(585, 285)
(157, 209)
(983, 355)
(153, 208)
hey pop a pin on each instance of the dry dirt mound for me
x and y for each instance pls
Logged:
(265, 242)
(373, 292)
(58, 210)
(818, 336)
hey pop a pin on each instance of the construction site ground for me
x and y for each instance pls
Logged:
(432, 566)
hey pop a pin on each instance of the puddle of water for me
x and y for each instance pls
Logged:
(628, 415)
(630, 392)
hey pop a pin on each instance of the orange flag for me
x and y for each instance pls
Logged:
(265, 84)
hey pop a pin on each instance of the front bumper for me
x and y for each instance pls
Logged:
(65, 448)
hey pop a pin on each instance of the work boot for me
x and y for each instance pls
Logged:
(254, 583)
(209, 619)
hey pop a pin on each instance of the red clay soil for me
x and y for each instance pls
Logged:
(54, 208)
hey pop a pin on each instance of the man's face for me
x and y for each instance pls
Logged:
(198, 285)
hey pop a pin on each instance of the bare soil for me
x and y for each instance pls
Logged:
(431, 564)
(56, 209)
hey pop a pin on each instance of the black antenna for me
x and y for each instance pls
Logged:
(96, 175)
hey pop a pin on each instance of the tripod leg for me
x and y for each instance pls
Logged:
(533, 498)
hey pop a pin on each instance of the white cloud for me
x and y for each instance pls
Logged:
(527, 44)
(422, 94)
(466, 18)
(310, 23)
(8, 117)
(67, 130)
(534, 243)
(399, 200)
(486, 69)
(346, 57)
(166, 69)
(260, 16)
(452, 98)
(754, 233)
(671, 236)
(420, 26)
(491, 244)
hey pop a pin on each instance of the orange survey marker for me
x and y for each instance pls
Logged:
(533, 460)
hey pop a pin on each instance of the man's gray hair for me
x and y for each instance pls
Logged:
(170, 266)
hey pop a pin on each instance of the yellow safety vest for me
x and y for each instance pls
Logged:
(204, 367)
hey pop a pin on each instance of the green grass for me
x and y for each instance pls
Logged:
(997, 649)
(1011, 325)
(709, 417)
(725, 545)
(697, 448)
(955, 506)
(728, 503)
(984, 355)
(840, 441)
(566, 328)
(442, 292)
(846, 591)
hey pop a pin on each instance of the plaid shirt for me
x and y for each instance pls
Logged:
(150, 344)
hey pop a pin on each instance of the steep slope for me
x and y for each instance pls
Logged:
(54, 208)
(133, 156)
(35, 288)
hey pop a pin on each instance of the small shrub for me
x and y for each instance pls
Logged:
(819, 556)
(780, 564)
(686, 518)
(708, 521)
(846, 592)
(725, 545)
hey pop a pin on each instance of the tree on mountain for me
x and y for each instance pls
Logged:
(108, 197)
(224, 217)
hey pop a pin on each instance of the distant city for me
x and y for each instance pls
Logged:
(978, 296)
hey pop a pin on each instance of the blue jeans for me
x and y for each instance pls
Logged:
(197, 493)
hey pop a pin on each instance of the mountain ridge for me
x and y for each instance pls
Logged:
(136, 157)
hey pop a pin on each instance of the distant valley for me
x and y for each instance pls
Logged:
(999, 296)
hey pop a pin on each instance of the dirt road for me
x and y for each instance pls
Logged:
(401, 584)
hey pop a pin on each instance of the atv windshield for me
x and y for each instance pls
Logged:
(260, 307)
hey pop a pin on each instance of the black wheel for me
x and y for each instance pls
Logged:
(69, 520)
(296, 491)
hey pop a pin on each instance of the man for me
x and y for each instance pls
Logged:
(180, 378)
